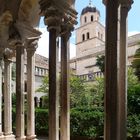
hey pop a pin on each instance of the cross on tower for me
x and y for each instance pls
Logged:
(90, 2)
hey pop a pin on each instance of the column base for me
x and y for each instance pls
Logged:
(9, 137)
(31, 137)
(1, 137)
(21, 138)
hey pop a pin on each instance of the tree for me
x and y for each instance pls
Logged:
(136, 63)
(100, 62)
(97, 90)
(45, 85)
(13, 71)
(77, 91)
(133, 93)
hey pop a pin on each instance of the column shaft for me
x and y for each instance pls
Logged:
(53, 93)
(111, 71)
(30, 94)
(1, 98)
(7, 98)
(20, 92)
(122, 74)
(64, 94)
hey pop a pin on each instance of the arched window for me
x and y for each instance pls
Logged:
(85, 19)
(88, 35)
(92, 18)
(83, 37)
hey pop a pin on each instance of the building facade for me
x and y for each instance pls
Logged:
(90, 43)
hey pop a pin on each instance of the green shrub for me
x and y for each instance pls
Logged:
(41, 119)
(133, 125)
(86, 122)
(134, 99)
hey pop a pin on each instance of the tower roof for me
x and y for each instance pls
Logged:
(90, 8)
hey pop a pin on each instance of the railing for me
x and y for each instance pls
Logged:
(91, 76)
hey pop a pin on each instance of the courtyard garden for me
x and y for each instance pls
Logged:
(87, 108)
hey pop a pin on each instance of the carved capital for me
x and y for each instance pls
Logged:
(31, 44)
(8, 53)
(55, 11)
(66, 29)
(13, 43)
(53, 18)
(126, 4)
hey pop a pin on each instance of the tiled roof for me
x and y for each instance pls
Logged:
(41, 61)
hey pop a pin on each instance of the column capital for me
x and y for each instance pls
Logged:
(126, 3)
(8, 53)
(13, 43)
(66, 29)
(31, 44)
(53, 18)
(55, 11)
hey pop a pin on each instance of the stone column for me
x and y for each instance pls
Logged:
(53, 22)
(64, 87)
(111, 71)
(31, 91)
(20, 92)
(7, 100)
(53, 93)
(1, 133)
(122, 115)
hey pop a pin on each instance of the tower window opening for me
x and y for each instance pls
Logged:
(102, 36)
(83, 37)
(85, 19)
(92, 18)
(88, 35)
(98, 35)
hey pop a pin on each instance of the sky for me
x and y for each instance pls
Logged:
(133, 24)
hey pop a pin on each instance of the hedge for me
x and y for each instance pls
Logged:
(83, 122)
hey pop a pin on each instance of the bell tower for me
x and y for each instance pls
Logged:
(90, 33)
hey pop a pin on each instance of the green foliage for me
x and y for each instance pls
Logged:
(131, 78)
(133, 93)
(41, 119)
(100, 62)
(14, 71)
(97, 91)
(134, 99)
(76, 85)
(77, 91)
(13, 119)
(45, 102)
(136, 63)
(13, 99)
(87, 108)
(133, 125)
(45, 85)
(86, 122)
(83, 94)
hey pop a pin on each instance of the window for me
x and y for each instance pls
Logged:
(87, 35)
(41, 71)
(98, 35)
(83, 37)
(102, 36)
(85, 19)
(25, 86)
(92, 18)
